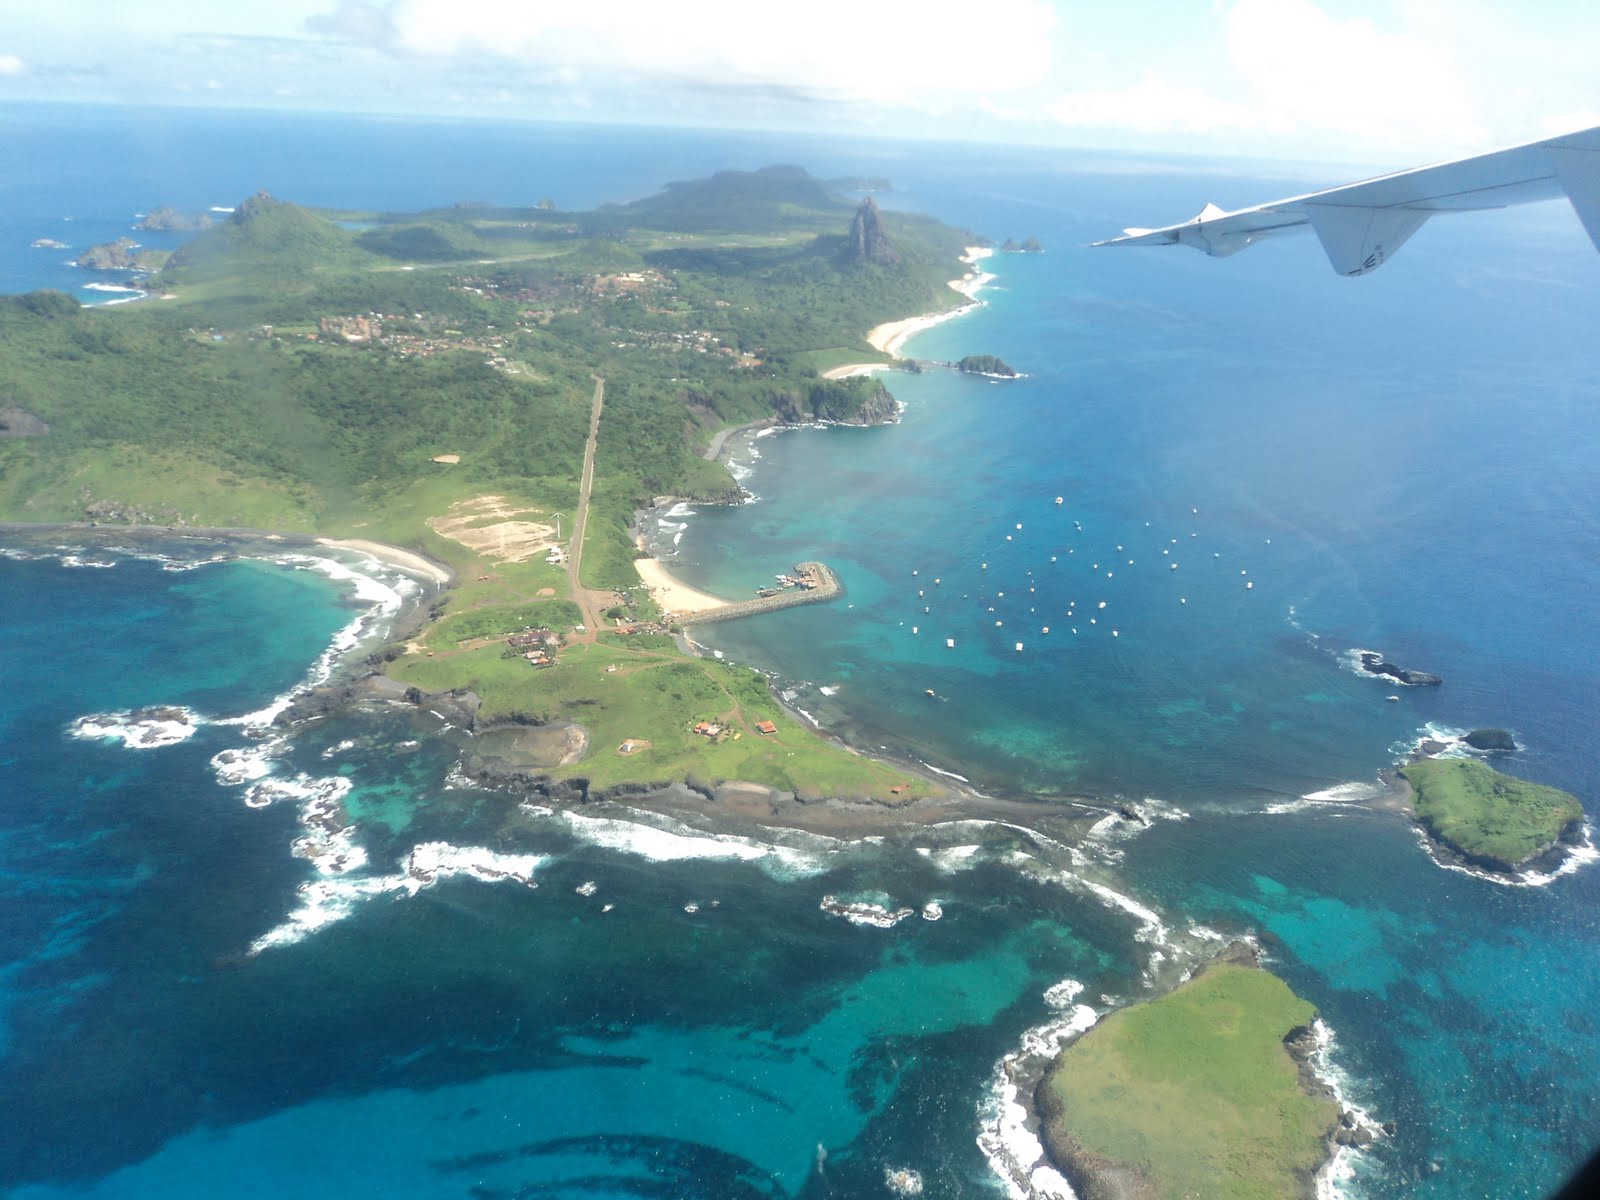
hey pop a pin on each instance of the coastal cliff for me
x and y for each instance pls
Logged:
(861, 400)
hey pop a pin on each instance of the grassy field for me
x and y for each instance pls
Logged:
(1485, 814)
(623, 688)
(1196, 1091)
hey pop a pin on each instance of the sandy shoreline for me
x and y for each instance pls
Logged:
(891, 336)
(406, 560)
(672, 595)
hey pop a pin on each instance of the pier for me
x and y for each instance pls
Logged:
(817, 584)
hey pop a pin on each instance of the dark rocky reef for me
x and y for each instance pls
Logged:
(1494, 740)
(166, 219)
(868, 241)
(1374, 663)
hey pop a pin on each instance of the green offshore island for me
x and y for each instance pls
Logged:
(502, 391)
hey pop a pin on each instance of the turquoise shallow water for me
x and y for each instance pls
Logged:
(1417, 446)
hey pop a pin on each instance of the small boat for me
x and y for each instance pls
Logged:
(930, 692)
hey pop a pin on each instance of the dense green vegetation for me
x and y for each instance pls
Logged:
(237, 402)
(415, 378)
(1488, 816)
(1194, 1094)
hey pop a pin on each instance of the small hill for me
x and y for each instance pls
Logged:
(435, 241)
(263, 234)
(733, 201)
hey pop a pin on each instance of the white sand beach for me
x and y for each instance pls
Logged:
(404, 559)
(891, 336)
(673, 596)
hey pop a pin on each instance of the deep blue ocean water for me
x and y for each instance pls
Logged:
(1403, 462)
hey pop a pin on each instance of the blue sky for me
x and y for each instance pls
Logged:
(1372, 81)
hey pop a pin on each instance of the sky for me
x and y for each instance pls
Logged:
(1369, 81)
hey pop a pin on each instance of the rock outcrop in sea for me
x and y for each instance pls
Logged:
(1374, 663)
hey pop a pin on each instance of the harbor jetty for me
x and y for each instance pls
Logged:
(811, 583)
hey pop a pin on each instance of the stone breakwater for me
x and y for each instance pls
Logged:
(825, 586)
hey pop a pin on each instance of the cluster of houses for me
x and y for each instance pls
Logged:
(718, 732)
(537, 646)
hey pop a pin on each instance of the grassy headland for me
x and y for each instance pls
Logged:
(1192, 1095)
(426, 381)
(1489, 818)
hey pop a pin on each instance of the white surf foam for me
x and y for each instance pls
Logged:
(662, 839)
(324, 901)
(139, 728)
(951, 859)
(866, 912)
(1339, 1170)
(245, 764)
(1573, 859)
(1353, 794)
(381, 589)
(1008, 1133)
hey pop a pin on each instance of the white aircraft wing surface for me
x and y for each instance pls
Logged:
(1361, 225)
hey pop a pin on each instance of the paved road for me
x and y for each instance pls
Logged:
(580, 521)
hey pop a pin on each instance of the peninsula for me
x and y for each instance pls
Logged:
(496, 391)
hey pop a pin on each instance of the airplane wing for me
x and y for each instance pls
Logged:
(1361, 225)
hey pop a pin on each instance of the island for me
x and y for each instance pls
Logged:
(123, 254)
(166, 219)
(1489, 819)
(501, 394)
(1029, 245)
(1205, 1091)
(1373, 663)
(985, 364)
(1498, 741)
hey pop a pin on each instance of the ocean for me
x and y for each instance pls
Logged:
(243, 962)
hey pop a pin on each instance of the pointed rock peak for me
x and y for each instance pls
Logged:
(868, 241)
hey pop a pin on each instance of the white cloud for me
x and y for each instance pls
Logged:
(1270, 73)
(1305, 71)
(1151, 106)
(10, 64)
(898, 52)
